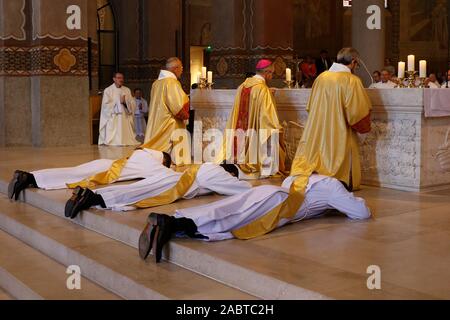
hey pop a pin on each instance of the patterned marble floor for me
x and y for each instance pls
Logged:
(409, 237)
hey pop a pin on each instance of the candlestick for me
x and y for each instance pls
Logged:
(411, 63)
(210, 77)
(423, 83)
(401, 70)
(422, 69)
(288, 75)
(411, 79)
(289, 84)
(203, 84)
(204, 70)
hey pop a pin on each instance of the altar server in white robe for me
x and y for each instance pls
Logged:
(139, 115)
(432, 82)
(161, 188)
(117, 115)
(141, 164)
(218, 220)
(385, 82)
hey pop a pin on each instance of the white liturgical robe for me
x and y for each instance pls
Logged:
(117, 119)
(383, 85)
(217, 220)
(139, 119)
(141, 164)
(210, 178)
(434, 85)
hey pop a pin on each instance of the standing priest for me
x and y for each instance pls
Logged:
(169, 110)
(338, 108)
(255, 115)
(117, 115)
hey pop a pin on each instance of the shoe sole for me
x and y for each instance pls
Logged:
(12, 185)
(146, 241)
(70, 204)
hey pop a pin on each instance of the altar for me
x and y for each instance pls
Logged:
(405, 150)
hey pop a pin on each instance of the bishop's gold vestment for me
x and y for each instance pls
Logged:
(254, 109)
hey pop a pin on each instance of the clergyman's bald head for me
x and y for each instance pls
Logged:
(347, 55)
(172, 63)
(175, 66)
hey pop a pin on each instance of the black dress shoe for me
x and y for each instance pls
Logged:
(146, 240)
(83, 202)
(163, 226)
(20, 181)
(231, 169)
(76, 194)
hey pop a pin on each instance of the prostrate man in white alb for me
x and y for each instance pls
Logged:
(385, 82)
(165, 186)
(117, 115)
(224, 219)
(141, 164)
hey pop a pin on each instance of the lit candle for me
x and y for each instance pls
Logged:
(422, 69)
(199, 76)
(210, 77)
(288, 74)
(411, 62)
(204, 72)
(401, 70)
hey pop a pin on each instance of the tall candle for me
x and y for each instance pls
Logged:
(411, 62)
(288, 74)
(422, 69)
(204, 72)
(210, 77)
(401, 70)
(199, 76)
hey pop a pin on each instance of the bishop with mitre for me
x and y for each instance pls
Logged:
(255, 115)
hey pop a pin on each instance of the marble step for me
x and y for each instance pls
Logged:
(4, 296)
(233, 263)
(27, 274)
(110, 263)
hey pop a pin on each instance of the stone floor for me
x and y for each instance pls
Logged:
(409, 237)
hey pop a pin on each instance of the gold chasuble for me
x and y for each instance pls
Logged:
(338, 108)
(169, 110)
(254, 109)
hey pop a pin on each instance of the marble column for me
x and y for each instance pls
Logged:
(59, 76)
(15, 119)
(44, 75)
(368, 35)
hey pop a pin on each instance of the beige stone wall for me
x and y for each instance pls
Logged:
(17, 112)
(60, 111)
(44, 85)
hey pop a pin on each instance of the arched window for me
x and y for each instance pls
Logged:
(108, 61)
